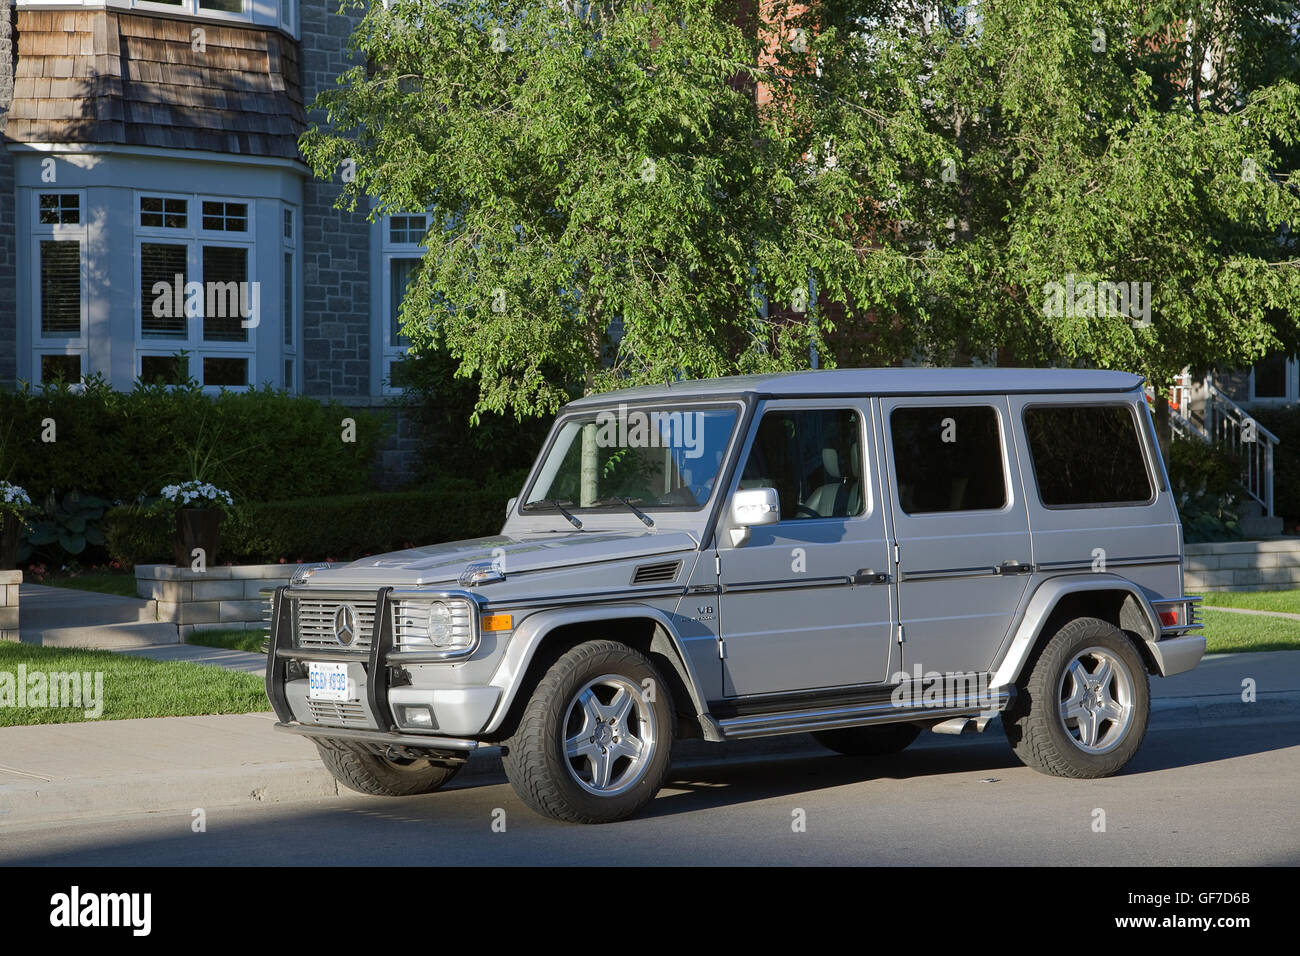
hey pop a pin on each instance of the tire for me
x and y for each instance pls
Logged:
(591, 745)
(875, 741)
(1083, 709)
(380, 777)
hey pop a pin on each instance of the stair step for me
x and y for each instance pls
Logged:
(103, 637)
(1258, 526)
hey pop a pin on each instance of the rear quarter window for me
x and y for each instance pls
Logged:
(1087, 456)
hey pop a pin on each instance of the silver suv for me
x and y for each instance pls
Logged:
(859, 554)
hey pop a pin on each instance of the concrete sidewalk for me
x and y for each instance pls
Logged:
(55, 772)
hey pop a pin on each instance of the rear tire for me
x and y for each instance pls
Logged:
(1083, 709)
(378, 776)
(874, 741)
(595, 740)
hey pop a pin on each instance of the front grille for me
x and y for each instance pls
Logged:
(340, 712)
(316, 624)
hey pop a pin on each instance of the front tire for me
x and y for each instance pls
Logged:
(595, 740)
(1084, 708)
(378, 776)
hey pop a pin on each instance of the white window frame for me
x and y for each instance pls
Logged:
(44, 232)
(389, 251)
(289, 244)
(1292, 390)
(194, 237)
(280, 14)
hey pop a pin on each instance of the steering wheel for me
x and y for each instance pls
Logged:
(805, 510)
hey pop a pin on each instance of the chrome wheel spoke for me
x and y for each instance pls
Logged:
(621, 706)
(602, 763)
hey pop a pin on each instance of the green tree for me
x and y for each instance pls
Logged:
(608, 205)
(1069, 143)
(618, 191)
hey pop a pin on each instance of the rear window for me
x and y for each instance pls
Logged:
(1087, 455)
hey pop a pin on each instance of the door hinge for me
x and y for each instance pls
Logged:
(717, 564)
(722, 649)
(901, 638)
(897, 553)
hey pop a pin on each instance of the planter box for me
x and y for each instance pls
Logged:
(220, 598)
(9, 581)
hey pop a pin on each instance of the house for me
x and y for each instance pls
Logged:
(153, 201)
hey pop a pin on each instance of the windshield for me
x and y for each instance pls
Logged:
(649, 457)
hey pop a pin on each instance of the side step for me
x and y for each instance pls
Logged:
(954, 717)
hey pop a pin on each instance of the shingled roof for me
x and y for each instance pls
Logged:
(101, 76)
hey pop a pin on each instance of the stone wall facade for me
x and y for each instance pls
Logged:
(1242, 565)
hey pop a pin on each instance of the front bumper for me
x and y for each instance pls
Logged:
(382, 693)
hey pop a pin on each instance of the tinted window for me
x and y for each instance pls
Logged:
(1087, 455)
(812, 458)
(948, 458)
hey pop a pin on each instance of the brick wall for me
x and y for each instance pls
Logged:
(336, 245)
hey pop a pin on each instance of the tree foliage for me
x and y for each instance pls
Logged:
(635, 192)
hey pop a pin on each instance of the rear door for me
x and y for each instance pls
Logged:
(961, 527)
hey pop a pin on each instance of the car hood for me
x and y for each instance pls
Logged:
(525, 554)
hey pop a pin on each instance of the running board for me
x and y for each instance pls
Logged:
(858, 715)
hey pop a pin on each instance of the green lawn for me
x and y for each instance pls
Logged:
(1228, 633)
(131, 686)
(232, 640)
(1286, 601)
(103, 582)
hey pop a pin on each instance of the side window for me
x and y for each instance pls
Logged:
(812, 458)
(948, 458)
(1086, 455)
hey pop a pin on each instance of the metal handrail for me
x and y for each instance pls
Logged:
(1229, 425)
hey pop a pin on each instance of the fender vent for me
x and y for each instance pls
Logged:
(657, 573)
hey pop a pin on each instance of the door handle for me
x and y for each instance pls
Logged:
(1014, 567)
(868, 576)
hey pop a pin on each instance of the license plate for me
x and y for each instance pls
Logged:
(327, 681)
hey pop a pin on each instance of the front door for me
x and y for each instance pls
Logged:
(806, 603)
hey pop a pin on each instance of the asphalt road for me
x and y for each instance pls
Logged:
(1227, 795)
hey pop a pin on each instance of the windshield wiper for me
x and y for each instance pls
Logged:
(645, 518)
(560, 508)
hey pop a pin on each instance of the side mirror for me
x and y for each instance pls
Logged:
(510, 505)
(750, 508)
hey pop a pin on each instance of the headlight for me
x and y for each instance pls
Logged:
(442, 624)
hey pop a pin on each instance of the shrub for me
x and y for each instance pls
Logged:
(442, 405)
(336, 528)
(266, 444)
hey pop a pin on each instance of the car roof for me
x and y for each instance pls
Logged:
(879, 381)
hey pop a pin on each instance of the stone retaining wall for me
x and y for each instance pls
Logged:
(1267, 565)
(222, 598)
(9, 581)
